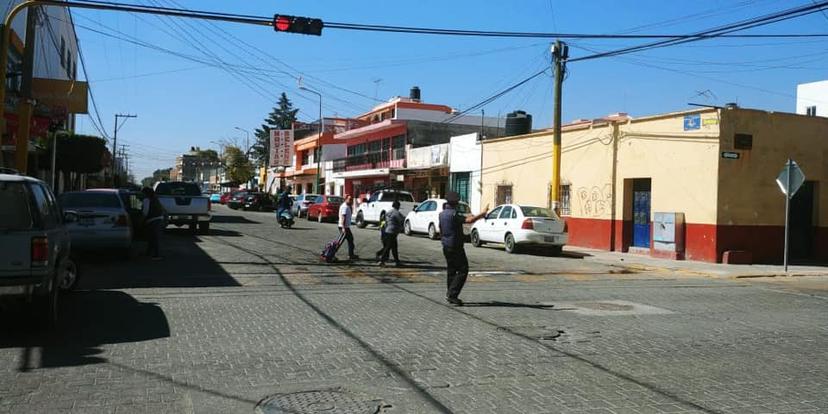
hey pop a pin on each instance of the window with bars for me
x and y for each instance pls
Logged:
(565, 200)
(811, 110)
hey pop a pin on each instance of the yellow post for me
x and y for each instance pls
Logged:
(559, 53)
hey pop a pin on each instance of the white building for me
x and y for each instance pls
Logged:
(465, 158)
(812, 98)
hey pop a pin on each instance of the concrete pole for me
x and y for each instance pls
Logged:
(789, 166)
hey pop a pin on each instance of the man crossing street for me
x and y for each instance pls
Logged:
(452, 238)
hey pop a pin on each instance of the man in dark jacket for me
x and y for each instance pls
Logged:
(154, 220)
(393, 227)
(452, 238)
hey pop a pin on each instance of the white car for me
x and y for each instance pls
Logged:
(372, 211)
(517, 225)
(425, 218)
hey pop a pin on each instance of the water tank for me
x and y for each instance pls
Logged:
(517, 123)
(415, 94)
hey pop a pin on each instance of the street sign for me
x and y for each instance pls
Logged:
(790, 179)
(692, 122)
(281, 147)
(730, 155)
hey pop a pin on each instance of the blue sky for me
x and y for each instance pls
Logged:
(240, 70)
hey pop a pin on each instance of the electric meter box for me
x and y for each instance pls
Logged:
(668, 235)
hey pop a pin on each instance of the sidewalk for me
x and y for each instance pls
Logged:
(638, 262)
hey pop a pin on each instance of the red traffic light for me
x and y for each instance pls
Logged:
(295, 24)
(281, 23)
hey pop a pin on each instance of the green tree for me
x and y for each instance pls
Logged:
(239, 168)
(157, 175)
(282, 117)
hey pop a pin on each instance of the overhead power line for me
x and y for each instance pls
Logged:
(268, 21)
(717, 32)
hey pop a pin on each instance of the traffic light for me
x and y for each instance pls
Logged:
(296, 24)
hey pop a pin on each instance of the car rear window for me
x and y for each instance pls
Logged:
(178, 189)
(402, 197)
(89, 200)
(336, 200)
(15, 212)
(537, 212)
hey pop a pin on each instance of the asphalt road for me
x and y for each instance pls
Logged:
(248, 318)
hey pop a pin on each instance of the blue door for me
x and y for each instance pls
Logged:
(641, 212)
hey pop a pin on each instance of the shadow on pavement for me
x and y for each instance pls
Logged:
(88, 320)
(185, 264)
(233, 219)
(497, 304)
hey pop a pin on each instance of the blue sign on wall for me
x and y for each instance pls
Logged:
(692, 122)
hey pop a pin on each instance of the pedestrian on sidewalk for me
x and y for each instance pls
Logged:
(452, 238)
(155, 222)
(345, 212)
(393, 227)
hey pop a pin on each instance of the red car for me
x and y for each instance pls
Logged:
(225, 197)
(325, 207)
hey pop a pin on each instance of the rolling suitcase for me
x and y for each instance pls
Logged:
(329, 251)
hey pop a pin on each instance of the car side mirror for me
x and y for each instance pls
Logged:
(70, 216)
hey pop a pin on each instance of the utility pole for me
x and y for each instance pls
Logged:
(115, 146)
(126, 160)
(26, 105)
(560, 53)
(318, 150)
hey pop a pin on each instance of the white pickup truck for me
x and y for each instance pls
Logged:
(185, 205)
(372, 211)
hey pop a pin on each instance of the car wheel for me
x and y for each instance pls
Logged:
(360, 221)
(556, 250)
(204, 228)
(407, 228)
(67, 274)
(432, 232)
(193, 228)
(509, 243)
(475, 239)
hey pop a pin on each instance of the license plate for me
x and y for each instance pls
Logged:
(549, 239)
(86, 221)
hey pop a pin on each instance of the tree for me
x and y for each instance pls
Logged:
(157, 175)
(239, 168)
(282, 117)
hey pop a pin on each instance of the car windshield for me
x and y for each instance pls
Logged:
(89, 199)
(336, 200)
(529, 211)
(15, 213)
(178, 189)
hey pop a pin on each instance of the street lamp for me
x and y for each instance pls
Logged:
(247, 148)
(317, 149)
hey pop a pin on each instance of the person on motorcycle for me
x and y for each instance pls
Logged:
(284, 203)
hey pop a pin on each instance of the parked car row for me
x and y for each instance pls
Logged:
(513, 225)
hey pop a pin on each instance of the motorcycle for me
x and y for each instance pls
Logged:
(285, 219)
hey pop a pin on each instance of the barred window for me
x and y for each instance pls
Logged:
(565, 200)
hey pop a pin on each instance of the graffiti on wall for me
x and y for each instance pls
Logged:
(595, 201)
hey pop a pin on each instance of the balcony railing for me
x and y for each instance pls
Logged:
(373, 160)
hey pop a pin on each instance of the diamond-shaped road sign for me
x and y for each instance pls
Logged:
(797, 177)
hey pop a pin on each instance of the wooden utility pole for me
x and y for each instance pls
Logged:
(560, 52)
(115, 148)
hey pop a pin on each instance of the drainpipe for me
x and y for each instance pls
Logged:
(615, 136)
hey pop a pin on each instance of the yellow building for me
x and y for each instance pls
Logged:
(707, 177)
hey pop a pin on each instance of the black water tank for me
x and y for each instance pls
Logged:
(517, 123)
(415, 94)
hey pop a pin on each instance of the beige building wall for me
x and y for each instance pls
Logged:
(776, 137)
(683, 165)
(524, 162)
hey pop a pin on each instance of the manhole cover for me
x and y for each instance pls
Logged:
(606, 306)
(321, 401)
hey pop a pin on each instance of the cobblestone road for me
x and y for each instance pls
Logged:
(248, 315)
